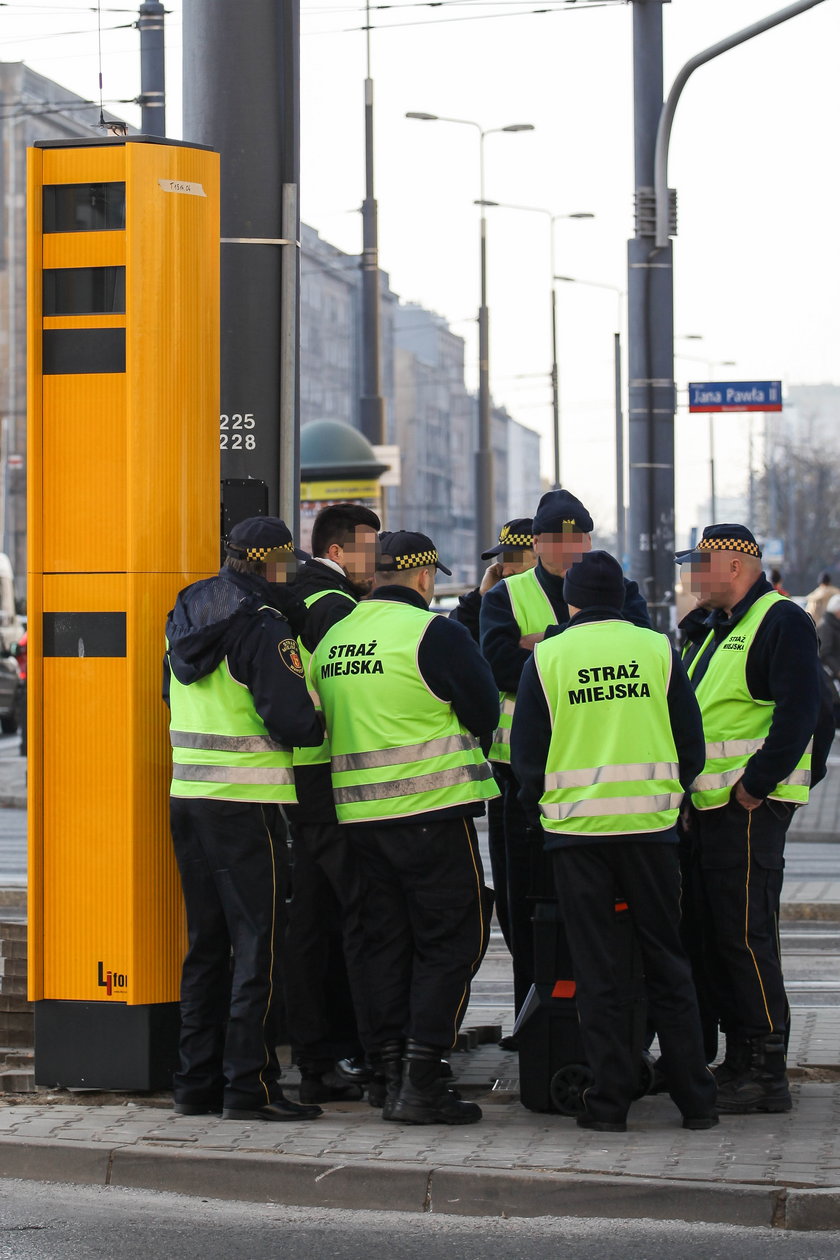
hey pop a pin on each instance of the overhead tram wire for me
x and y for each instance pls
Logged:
(553, 6)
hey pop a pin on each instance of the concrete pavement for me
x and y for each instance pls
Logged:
(781, 1171)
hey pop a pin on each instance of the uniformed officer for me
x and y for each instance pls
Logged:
(407, 697)
(752, 660)
(605, 738)
(238, 699)
(513, 553)
(326, 992)
(514, 616)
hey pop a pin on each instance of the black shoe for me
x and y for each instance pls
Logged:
(353, 1071)
(509, 1043)
(328, 1088)
(280, 1109)
(601, 1126)
(701, 1122)
(763, 1087)
(754, 1093)
(433, 1105)
(197, 1109)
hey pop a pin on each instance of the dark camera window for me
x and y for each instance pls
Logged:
(84, 207)
(84, 290)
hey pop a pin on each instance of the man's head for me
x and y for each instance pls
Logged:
(346, 533)
(409, 559)
(562, 531)
(723, 566)
(825, 578)
(263, 545)
(515, 548)
(594, 581)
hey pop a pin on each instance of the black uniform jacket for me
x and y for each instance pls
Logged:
(340, 599)
(241, 617)
(454, 670)
(531, 736)
(782, 666)
(500, 633)
(314, 784)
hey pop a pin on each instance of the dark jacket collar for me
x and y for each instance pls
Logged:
(401, 595)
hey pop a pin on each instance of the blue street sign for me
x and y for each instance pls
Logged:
(735, 396)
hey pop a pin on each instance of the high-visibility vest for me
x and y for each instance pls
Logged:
(319, 756)
(734, 722)
(397, 749)
(612, 767)
(220, 746)
(532, 612)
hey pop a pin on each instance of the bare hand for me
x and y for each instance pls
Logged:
(744, 799)
(492, 575)
(529, 641)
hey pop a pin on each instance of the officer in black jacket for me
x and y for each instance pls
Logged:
(513, 553)
(562, 534)
(326, 992)
(236, 688)
(752, 660)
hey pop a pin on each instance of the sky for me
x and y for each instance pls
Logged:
(753, 159)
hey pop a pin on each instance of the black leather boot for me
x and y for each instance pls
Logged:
(424, 1097)
(736, 1060)
(392, 1062)
(764, 1085)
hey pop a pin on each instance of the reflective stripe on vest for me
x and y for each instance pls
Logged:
(735, 723)
(319, 756)
(220, 746)
(606, 687)
(532, 612)
(397, 749)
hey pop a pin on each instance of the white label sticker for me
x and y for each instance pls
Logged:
(181, 186)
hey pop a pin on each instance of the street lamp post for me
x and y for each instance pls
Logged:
(484, 453)
(620, 511)
(555, 373)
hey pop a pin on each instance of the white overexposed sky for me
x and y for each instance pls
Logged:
(753, 159)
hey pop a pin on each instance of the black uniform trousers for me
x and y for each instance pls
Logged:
(426, 924)
(527, 877)
(738, 864)
(646, 874)
(324, 964)
(232, 858)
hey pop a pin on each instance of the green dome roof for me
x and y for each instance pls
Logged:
(329, 448)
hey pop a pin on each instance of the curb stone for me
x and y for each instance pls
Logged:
(380, 1186)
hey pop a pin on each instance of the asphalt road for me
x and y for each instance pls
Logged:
(54, 1222)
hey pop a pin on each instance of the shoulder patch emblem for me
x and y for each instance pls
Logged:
(290, 656)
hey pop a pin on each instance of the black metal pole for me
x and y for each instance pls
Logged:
(620, 524)
(372, 406)
(241, 95)
(651, 342)
(152, 68)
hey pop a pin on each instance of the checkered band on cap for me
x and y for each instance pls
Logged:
(515, 540)
(728, 544)
(417, 560)
(264, 553)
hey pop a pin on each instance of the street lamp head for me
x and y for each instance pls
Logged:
(567, 279)
(423, 117)
(485, 202)
(518, 127)
(580, 214)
